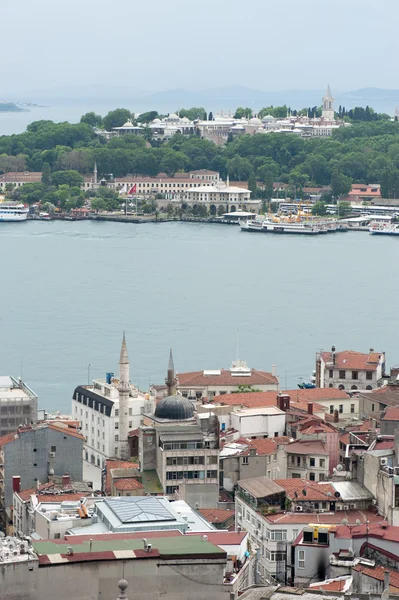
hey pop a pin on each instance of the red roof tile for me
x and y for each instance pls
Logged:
(263, 446)
(391, 414)
(378, 573)
(216, 515)
(111, 463)
(198, 379)
(11, 437)
(314, 491)
(336, 585)
(306, 447)
(299, 399)
(324, 518)
(349, 359)
(376, 530)
(127, 484)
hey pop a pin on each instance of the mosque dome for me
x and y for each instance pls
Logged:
(267, 119)
(255, 121)
(174, 408)
(156, 120)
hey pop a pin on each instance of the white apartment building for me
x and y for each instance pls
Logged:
(97, 407)
(349, 370)
(18, 404)
(308, 459)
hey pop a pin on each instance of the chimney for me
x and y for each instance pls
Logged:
(336, 416)
(16, 483)
(387, 579)
(333, 354)
(274, 370)
(283, 402)
(310, 408)
(66, 480)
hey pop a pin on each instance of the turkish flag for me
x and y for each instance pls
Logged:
(133, 190)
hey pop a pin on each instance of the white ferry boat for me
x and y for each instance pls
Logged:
(379, 229)
(281, 227)
(13, 211)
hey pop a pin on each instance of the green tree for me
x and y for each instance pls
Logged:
(46, 174)
(98, 204)
(239, 168)
(344, 208)
(341, 185)
(319, 208)
(92, 119)
(116, 118)
(148, 117)
(70, 178)
(191, 113)
(252, 185)
(172, 162)
(242, 112)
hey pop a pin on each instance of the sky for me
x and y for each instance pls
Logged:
(156, 45)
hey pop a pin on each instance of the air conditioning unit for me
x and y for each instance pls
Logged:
(323, 510)
(52, 455)
(383, 462)
(339, 507)
(346, 507)
(299, 509)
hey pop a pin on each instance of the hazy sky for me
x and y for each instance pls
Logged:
(164, 44)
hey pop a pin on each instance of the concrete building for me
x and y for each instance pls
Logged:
(251, 458)
(18, 404)
(224, 195)
(162, 183)
(18, 179)
(215, 382)
(389, 422)
(312, 428)
(373, 404)
(181, 449)
(308, 459)
(35, 454)
(220, 518)
(161, 566)
(107, 410)
(350, 370)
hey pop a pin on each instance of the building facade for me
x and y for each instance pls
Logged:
(349, 370)
(107, 410)
(308, 459)
(18, 404)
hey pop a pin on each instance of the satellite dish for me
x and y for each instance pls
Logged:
(329, 494)
(337, 494)
(340, 467)
(344, 522)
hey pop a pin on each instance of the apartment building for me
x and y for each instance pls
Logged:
(350, 370)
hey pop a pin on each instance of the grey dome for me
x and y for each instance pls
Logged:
(175, 408)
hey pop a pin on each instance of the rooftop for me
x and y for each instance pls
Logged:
(351, 491)
(349, 359)
(306, 447)
(314, 491)
(378, 573)
(259, 487)
(380, 530)
(110, 464)
(216, 515)
(59, 427)
(299, 399)
(331, 518)
(391, 413)
(221, 377)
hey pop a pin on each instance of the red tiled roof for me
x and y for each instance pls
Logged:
(378, 573)
(314, 491)
(299, 399)
(23, 177)
(306, 447)
(198, 379)
(11, 437)
(262, 446)
(324, 518)
(349, 359)
(336, 585)
(312, 425)
(111, 463)
(386, 532)
(216, 515)
(61, 497)
(223, 538)
(128, 483)
(384, 445)
(345, 438)
(391, 414)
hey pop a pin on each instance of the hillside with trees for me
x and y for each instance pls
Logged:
(365, 152)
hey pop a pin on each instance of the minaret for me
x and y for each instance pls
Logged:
(95, 173)
(170, 378)
(124, 392)
(328, 106)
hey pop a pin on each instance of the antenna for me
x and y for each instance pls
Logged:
(238, 344)
(88, 373)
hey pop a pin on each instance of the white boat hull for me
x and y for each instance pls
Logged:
(13, 218)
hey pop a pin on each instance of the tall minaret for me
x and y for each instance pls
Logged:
(124, 392)
(170, 378)
(95, 173)
(328, 105)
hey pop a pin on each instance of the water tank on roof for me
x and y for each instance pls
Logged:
(108, 377)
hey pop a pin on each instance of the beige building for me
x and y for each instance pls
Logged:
(350, 370)
(19, 179)
(308, 459)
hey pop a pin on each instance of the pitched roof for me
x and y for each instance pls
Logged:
(387, 395)
(381, 530)
(263, 446)
(199, 379)
(315, 491)
(259, 487)
(324, 518)
(216, 515)
(313, 425)
(299, 399)
(391, 413)
(349, 359)
(59, 427)
(378, 573)
(306, 447)
(333, 585)
(111, 463)
(127, 484)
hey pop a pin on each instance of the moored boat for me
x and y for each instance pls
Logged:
(13, 211)
(385, 229)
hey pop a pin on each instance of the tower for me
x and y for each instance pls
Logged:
(95, 172)
(124, 392)
(328, 105)
(170, 378)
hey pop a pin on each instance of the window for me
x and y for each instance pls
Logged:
(274, 457)
(312, 462)
(322, 462)
(53, 448)
(321, 478)
(296, 476)
(298, 461)
(245, 460)
(352, 408)
(331, 373)
(116, 425)
(130, 412)
(57, 536)
(372, 408)
(369, 376)
(342, 374)
(312, 477)
(301, 559)
(355, 375)
(331, 409)
(341, 408)
(212, 460)
(278, 535)
(275, 474)
(117, 438)
(269, 474)
(295, 533)
(116, 412)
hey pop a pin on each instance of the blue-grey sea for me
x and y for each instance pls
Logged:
(69, 289)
